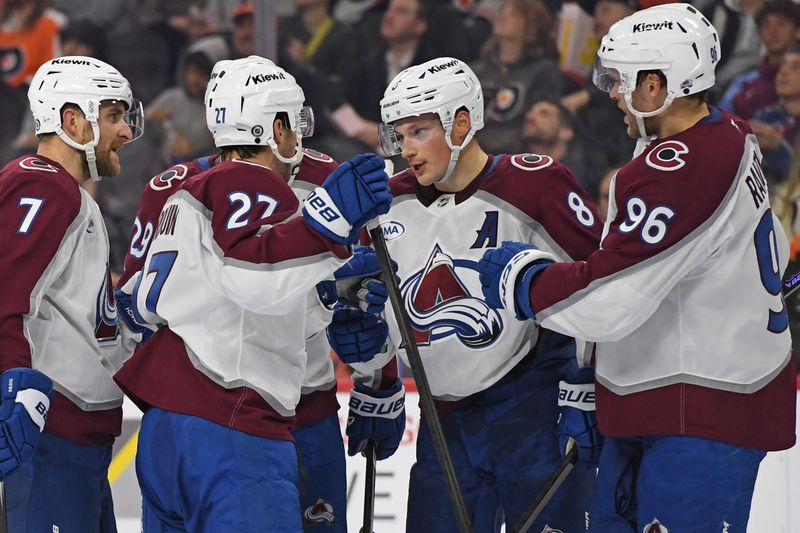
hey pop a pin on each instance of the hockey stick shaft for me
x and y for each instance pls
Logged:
(369, 488)
(3, 509)
(791, 285)
(425, 395)
(547, 492)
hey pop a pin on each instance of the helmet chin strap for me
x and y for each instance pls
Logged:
(455, 152)
(294, 161)
(641, 115)
(88, 148)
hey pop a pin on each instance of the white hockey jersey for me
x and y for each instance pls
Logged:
(437, 240)
(230, 273)
(57, 312)
(684, 296)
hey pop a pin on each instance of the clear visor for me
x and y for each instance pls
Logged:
(304, 121)
(604, 78)
(134, 118)
(390, 144)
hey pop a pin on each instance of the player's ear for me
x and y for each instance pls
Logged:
(461, 126)
(72, 121)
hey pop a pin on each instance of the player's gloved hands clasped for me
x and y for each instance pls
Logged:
(355, 335)
(353, 194)
(376, 415)
(576, 418)
(354, 283)
(26, 396)
(506, 274)
(127, 311)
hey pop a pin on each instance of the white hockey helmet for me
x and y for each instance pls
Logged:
(441, 86)
(86, 82)
(673, 38)
(243, 98)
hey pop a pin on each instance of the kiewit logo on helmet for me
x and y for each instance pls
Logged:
(261, 78)
(437, 68)
(643, 26)
(70, 62)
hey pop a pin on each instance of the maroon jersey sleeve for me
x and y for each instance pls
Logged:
(39, 201)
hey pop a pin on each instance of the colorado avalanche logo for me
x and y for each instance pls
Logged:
(105, 321)
(667, 156)
(164, 180)
(320, 512)
(439, 305)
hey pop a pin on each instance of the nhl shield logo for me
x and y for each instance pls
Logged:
(655, 527)
(548, 529)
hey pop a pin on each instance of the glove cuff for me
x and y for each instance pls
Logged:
(576, 395)
(36, 403)
(366, 404)
(508, 279)
(325, 216)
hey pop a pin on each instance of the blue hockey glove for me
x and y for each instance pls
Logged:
(376, 415)
(353, 194)
(506, 274)
(356, 336)
(128, 313)
(26, 396)
(576, 418)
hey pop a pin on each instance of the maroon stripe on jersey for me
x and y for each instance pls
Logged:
(694, 191)
(92, 428)
(316, 407)
(763, 420)
(36, 209)
(160, 374)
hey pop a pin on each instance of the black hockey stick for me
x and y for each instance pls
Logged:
(369, 489)
(791, 285)
(425, 395)
(547, 492)
(3, 510)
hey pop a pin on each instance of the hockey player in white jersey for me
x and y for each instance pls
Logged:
(323, 482)
(57, 312)
(695, 380)
(497, 396)
(227, 369)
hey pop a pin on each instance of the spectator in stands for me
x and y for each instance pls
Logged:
(519, 66)
(777, 126)
(738, 34)
(28, 38)
(778, 24)
(243, 36)
(403, 25)
(598, 117)
(786, 206)
(178, 114)
(116, 17)
(549, 130)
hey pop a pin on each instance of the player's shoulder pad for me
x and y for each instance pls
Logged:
(515, 176)
(171, 178)
(37, 177)
(315, 167)
(217, 183)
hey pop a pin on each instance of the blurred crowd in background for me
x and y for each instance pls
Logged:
(533, 57)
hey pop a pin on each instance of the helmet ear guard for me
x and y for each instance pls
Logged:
(87, 83)
(243, 99)
(441, 86)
